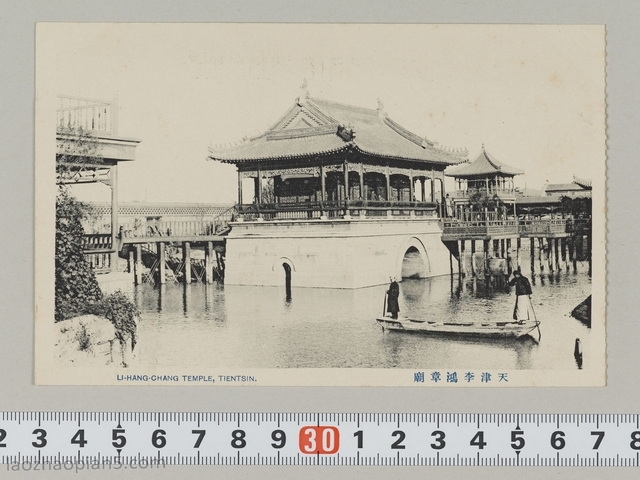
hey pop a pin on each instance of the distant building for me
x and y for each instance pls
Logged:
(579, 188)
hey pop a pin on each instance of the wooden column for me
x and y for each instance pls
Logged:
(433, 188)
(461, 259)
(573, 253)
(239, 187)
(186, 258)
(411, 186)
(485, 247)
(518, 246)
(131, 262)
(540, 249)
(423, 194)
(259, 186)
(502, 248)
(473, 250)
(323, 185)
(556, 253)
(208, 263)
(346, 188)
(138, 266)
(114, 217)
(533, 256)
(550, 260)
(161, 263)
(388, 177)
(362, 196)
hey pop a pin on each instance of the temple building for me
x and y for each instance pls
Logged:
(331, 159)
(579, 188)
(339, 195)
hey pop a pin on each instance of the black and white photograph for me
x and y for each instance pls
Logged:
(320, 204)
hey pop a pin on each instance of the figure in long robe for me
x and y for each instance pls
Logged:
(392, 298)
(523, 310)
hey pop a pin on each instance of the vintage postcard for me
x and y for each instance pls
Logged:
(317, 204)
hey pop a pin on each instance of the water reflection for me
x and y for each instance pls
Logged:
(233, 326)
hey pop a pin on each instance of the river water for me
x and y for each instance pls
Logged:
(213, 325)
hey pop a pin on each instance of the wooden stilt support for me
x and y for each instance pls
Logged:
(550, 261)
(131, 261)
(502, 248)
(557, 253)
(532, 247)
(485, 248)
(540, 254)
(461, 259)
(162, 263)
(573, 254)
(473, 251)
(208, 263)
(138, 266)
(186, 259)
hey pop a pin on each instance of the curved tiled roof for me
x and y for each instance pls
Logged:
(484, 165)
(333, 127)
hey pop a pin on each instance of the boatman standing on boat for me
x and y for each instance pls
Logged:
(392, 298)
(523, 310)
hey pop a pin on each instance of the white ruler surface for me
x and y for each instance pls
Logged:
(154, 439)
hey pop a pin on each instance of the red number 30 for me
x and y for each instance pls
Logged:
(323, 440)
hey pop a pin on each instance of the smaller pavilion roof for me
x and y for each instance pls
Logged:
(484, 165)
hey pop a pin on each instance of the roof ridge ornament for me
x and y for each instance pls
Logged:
(381, 113)
(304, 92)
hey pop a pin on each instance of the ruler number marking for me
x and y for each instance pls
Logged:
(600, 436)
(517, 440)
(201, 434)
(557, 440)
(78, 438)
(158, 438)
(439, 440)
(360, 436)
(279, 439)
(119, 440)
(3, 435)
(238, 440)
(41, 440)
(397, 445)
(635, 440)
(478, 440)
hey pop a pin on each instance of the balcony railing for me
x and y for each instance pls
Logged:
(90, 115)
(505, 227)
(333, 209)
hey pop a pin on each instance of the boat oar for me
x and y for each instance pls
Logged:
(535, 317)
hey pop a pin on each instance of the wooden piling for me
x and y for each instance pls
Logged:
(557, 253)
(485, 248)
(540, 252)
(473, 250)
(186, 259)
(461, 259)
(131, 262)
(518, 246)
(549, 250)
(138, 265)
(208, 263)
(162, 263)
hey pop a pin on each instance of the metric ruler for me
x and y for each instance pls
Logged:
(154, 440)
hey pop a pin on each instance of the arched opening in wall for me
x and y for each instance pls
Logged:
(412, 264)
(287, 279)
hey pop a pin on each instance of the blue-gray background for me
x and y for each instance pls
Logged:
(17, 392)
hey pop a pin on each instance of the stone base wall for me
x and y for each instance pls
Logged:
(331, 253)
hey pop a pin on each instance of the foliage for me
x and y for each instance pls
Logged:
(579, 207)
(75, 282)
(120, 311)
(76, 146)
(480, 200)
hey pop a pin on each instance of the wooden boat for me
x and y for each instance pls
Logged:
(511, 329)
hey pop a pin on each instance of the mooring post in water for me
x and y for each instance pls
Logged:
(208, 263)
(577, 353)
(186, 259)
(138, 266)
(162, 263)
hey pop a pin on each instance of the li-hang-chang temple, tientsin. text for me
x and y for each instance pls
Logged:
(340, 195)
